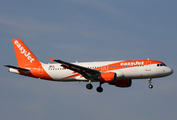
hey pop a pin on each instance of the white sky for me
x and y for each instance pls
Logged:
(88, 30)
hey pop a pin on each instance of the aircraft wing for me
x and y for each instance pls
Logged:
(87, 73)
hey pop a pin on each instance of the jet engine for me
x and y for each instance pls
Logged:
(123, 83)
(109, 77)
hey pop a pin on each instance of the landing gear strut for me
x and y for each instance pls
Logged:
(100, 89)
(89, 85)
(150, 85)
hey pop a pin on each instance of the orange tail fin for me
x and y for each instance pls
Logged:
(25, 57)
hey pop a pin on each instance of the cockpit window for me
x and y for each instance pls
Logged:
(161, 65)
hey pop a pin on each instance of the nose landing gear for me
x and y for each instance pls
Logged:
(150, 85)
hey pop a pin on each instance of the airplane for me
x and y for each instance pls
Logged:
(117, 73)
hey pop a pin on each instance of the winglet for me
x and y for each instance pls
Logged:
(51, 59)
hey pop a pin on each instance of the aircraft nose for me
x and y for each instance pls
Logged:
(170, 71)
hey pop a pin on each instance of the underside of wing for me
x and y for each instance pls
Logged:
(87, 73)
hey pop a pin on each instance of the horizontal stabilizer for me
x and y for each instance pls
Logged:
(18, 68)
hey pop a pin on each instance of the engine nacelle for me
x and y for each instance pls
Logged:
(123, 83)
(109, 77)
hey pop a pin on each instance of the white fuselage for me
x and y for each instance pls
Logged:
(130, 72)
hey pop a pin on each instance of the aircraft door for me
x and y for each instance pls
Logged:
(148, 66)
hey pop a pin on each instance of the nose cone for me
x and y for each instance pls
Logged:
(169, 71)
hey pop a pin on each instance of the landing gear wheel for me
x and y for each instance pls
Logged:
(89, 86)
(150, 86)
(99, 89)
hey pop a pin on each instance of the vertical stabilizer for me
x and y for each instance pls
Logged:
(25, 58)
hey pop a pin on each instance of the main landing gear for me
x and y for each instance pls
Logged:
(90, 86)
(100, 89)
(150, 85)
